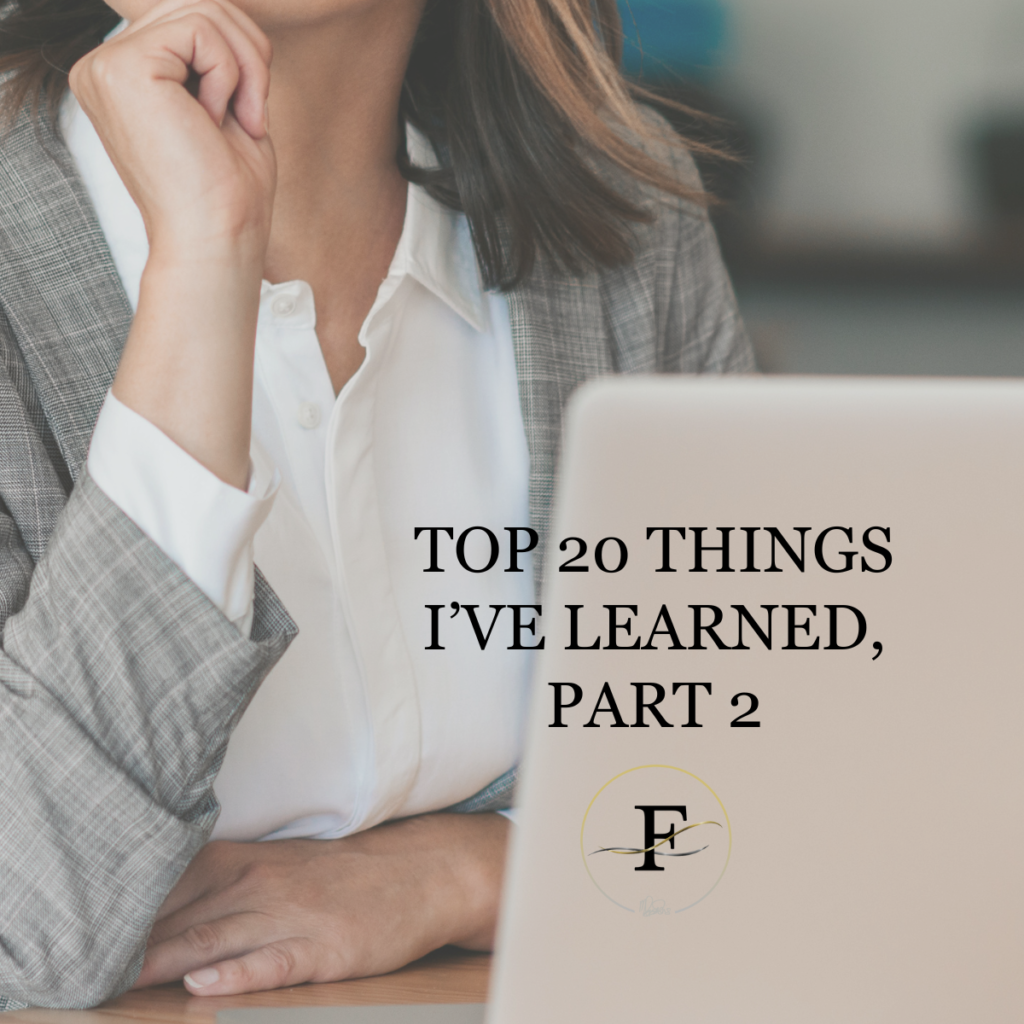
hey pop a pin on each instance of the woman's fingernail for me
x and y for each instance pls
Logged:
(202, 979)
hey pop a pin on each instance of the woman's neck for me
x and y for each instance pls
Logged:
(340, 200)
(335, 87)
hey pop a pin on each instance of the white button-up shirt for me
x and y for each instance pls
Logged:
(359, 722)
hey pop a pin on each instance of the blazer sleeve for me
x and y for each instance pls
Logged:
(119, 686)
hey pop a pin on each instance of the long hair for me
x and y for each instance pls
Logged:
(539, 139)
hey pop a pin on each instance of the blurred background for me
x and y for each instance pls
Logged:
(875, 221)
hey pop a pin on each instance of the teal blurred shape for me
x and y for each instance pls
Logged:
(675, 36)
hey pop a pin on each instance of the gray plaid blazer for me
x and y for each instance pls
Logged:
(119, 681)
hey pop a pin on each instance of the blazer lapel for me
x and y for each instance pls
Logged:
(561, 340)
(58, 284)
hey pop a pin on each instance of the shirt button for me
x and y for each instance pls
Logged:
(309, 415)
(283, 305)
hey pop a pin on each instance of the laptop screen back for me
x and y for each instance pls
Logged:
(774, 768)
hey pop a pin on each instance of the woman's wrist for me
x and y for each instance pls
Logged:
(465, 857)
(481, 876)
(230, 253)
(188, 363)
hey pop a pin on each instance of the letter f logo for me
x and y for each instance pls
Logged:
(654, 839)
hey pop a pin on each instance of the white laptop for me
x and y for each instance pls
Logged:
(792, 791)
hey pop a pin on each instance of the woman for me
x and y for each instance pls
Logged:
(339, 306)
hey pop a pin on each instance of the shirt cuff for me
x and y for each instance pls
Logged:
(205, 526)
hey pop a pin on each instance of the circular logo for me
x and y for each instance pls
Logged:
(656, 840)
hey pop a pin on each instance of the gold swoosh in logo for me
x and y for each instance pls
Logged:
(630, 851)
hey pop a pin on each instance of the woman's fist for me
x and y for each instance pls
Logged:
(179, 100)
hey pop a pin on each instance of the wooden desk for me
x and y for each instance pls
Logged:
(447, 976)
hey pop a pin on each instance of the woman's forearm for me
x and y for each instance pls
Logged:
(248, 916)
(188, 363)
(200, 166)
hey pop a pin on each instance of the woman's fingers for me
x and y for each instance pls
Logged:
(205, 907)
(168, 8)
(252, 53)
(201, 944)
(277, 965)
(200, 36)
(193, 44)
(221, 76)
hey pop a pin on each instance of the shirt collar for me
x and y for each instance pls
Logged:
(435, 248)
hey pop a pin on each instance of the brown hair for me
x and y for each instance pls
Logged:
(522, 101)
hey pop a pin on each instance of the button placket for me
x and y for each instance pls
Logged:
(308, 415)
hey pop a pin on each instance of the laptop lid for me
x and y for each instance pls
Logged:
(774, 766)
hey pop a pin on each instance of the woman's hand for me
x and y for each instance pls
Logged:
(251, 916)
(179, 99)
